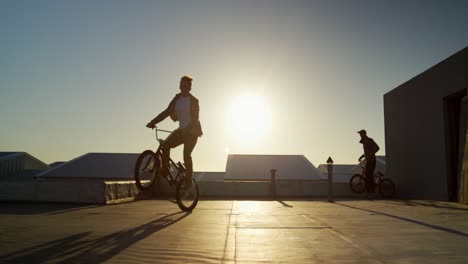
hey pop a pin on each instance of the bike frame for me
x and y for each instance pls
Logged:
(171, 179)
(377, 175)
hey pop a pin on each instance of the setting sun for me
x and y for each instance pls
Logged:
(248, 119)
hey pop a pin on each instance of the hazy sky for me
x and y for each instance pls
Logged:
(86, 76)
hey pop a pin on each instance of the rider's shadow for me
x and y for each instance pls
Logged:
(76, 249)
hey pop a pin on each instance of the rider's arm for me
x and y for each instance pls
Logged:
(164, 113)
(362, 156)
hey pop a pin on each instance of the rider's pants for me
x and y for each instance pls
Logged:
(175, 139)
(370, 167)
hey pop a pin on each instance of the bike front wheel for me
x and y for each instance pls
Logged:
(146, 169)
(357, 183)
(386, 188)
(187, 198)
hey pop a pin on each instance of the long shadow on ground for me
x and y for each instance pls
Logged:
(440, 228)
(21, 208)
(434, 204)
(76, 249)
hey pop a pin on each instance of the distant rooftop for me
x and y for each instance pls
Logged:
(57, 163)
(257, 167)
(340, 168)
(209, 176)
(108, 166)
(4, 154)
(19, 164)
(343, 172)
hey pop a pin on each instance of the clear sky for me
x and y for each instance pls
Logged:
(86, 76)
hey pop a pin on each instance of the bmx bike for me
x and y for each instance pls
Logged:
(146, 174)
(385, 186)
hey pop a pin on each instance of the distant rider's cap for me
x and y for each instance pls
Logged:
(362, 131)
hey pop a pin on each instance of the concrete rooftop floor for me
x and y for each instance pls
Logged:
(236, 231)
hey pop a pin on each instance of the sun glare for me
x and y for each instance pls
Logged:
(248, 119)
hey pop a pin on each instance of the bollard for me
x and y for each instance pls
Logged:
(273, 183)
(330, 179)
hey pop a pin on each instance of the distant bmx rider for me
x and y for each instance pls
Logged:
(184, 108)
(370, 148)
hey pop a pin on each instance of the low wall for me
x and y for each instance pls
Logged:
(284, 188)
(70, 191)
(105, 192)
(17, 191)
(116, 191)
(235, 188)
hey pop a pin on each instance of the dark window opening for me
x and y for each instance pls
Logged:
(452, 104)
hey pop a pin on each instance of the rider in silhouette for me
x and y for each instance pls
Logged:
(184, 108)
(370, 148)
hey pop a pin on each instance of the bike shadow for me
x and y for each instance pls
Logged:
(77, 249)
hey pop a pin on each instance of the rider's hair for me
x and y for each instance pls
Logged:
(186, 78)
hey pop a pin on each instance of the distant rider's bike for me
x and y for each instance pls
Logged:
(147, 167)
(385, 186)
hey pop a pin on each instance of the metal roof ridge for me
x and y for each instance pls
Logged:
(308, 161)
(16, 154)
(338, 166)
(265, 155)
(114, 153)
(12, 154)
(61, 165)
(311, 165)
(38, 160)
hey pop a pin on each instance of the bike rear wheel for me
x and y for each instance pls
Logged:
(386, 188)
(357, 183)
(187, 198)
(146, 169)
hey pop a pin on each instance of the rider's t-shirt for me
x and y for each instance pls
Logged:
(182, 109)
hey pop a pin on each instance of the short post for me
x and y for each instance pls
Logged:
(273, 183)
(330, 179)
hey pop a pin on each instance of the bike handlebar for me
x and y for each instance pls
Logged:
(162, 130)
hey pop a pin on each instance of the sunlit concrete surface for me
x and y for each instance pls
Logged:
(156, 231)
